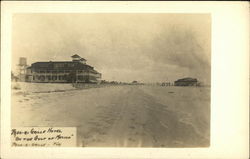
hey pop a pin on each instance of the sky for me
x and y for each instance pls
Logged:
(122, 47)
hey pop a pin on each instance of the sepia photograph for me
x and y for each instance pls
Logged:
(100, 79)
(120, 79)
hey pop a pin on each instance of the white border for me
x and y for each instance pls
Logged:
(230, 82)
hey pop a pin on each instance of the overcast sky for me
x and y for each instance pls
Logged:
(123, 47)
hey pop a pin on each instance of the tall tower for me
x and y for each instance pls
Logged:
(22, 66)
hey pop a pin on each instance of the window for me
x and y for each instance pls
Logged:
(54, 78)
(42, 78)
(79, 71)
(58, 65)
(60, 71)
(48, 71)
(80, 78)
(54, 71)
(64, 77)
(61, 77)
(48, 78)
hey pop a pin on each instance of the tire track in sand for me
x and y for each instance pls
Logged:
(135, 119)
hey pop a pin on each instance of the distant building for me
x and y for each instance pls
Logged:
(186, 82)
(165, 84)
(135, 82)
(63, 72)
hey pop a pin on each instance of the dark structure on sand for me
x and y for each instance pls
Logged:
(186, 82)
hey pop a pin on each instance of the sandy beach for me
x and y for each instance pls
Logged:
(117, 116)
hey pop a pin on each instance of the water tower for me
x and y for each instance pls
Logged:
(22, 66)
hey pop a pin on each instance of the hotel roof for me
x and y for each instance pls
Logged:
(76, 56)
(67, 66)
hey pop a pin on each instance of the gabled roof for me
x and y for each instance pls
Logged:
(76, 56)
(82, 59)
(188, 79)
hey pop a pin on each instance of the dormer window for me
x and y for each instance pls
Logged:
(82, 60)
(78, 58)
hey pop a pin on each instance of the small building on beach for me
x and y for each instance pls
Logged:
(186, 82)
(75, 71)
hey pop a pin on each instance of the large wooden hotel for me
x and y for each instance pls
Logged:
(75, 71)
